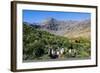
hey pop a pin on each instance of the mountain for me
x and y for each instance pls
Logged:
(79, 29)
(67, 28)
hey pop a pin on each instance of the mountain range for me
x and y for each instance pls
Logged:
(67, 28)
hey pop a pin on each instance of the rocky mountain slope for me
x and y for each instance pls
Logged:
(68, 28)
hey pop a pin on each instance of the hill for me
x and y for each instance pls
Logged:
(37, 42)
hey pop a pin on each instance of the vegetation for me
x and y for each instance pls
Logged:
(36, 44)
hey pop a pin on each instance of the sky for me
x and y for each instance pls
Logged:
(33, 16)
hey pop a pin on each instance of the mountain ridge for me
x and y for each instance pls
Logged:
(68, 28)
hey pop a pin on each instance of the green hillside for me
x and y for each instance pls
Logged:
(36, 44)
